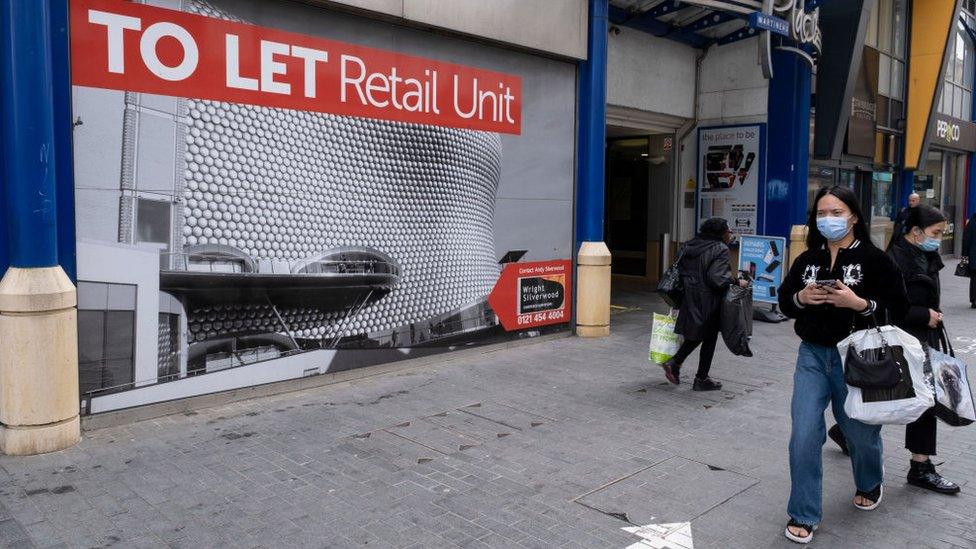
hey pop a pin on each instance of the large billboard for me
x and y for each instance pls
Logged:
(265, 194)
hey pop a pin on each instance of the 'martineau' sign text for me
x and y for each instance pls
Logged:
(127, 46)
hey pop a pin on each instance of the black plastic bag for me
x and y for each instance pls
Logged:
(736, 319)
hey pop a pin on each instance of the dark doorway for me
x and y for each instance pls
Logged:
(628, 173)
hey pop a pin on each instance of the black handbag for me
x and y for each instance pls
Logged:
(671, 288)
(962, 269)
(876, 368)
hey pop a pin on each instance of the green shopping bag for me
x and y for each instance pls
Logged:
(664, 342)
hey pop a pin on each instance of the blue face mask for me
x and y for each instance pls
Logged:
(833, 228)
(930, 244)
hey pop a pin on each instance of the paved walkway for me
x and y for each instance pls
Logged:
(560, 444)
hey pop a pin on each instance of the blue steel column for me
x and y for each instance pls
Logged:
(591, 140)
(27, 129)
(788, 153)
(63, 129)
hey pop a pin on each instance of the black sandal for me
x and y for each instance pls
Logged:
(808, 528)
(873, 496)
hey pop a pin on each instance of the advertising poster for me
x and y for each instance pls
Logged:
(529, 295)
(763, 257)
(730, 166)
(266, 194)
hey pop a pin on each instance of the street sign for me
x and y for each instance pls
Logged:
(528, 295)
(763, 258)
(758, 20)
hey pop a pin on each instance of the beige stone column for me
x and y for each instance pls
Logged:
(39, 401)
(798, 242)
(593, 290)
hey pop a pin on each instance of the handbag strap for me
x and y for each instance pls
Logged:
(945, 341)
(877, 328)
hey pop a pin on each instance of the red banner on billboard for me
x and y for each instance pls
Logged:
(528, 295)
(132, 47)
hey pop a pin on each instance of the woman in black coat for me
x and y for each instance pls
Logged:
(706, 272)
(916, 253)
(969, 252)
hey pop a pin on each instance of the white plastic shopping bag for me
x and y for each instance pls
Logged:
(953, 394)
(664, 342)
(902, 404)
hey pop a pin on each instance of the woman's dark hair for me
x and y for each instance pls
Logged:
(715, 227)
(923, 216)
(815, 240)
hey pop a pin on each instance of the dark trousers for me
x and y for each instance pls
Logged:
(972, 287)
(707, 352)
(920, 434)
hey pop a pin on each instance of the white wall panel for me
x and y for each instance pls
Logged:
(651, 74)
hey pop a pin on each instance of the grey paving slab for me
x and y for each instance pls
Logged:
(541, 427)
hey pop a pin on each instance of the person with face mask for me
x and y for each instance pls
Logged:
(837, 286)
(706, 272)
(916, 253)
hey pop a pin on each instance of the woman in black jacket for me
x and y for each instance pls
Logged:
(969, 252)
(833, 289)
(706, 272)
(916, 253)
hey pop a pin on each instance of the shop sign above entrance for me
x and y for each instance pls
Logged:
(953, 133)
(804, 25)
(788, 18)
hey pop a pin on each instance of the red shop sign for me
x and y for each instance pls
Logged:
(127, 46)
(528, 295)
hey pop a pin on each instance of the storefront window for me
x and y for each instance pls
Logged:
(818, 178)
(882, 199)
(957, 92)
(928, 180)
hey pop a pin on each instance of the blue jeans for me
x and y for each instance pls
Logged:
(818, 381)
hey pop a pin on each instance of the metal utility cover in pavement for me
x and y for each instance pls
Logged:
(674, 490)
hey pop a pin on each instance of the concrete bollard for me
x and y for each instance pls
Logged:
(593, 290)
(39, 401)
(798, 242)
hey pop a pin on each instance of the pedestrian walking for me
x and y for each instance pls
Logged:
(899, 227)
(706, 272)
(969, 253)
(917, 256)
(833, 289)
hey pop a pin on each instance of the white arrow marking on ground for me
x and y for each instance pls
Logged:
(675, 535)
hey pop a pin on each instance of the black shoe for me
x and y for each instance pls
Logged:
(923, 475)
(707, 384)
(837, 436)
(672, 371)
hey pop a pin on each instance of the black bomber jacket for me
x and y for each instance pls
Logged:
(865, 269)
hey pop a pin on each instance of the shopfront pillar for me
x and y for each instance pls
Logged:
(593, 259)
(789, 144)
(38, 323)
